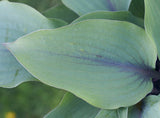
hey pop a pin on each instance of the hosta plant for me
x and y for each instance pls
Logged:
(103, 53)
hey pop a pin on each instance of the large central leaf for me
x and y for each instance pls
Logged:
(106, 63)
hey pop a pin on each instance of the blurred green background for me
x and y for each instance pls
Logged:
(28, 100)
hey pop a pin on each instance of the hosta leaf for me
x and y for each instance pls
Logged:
(152, 18)
(151, 108)
(148, 108)
(85, 6)
(62, 12)
(106, 63)
(122, 16)
(137, 8)
(40, 5)
(117, 113)
(73, 107)
(134, 112)
(17, 20)
(122, 113)
(106, 114)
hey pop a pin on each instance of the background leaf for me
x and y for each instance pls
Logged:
(151, 108)
(135, 111)
(73, 107)
(82, 7)
(137, 8)
(97, 60)
(122, 113)
(40, 5)
(152, 18)
(122, 16)
(18, 20)
(117, 113)
(106, 114)
(62, 12)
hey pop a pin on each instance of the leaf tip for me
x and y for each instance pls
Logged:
(7, 46)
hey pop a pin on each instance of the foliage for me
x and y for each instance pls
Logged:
(40, 5)
(103, 52)
(29, 100)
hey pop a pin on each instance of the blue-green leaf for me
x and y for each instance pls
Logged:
(137, 8)
(62, 12)
(151, 108)
(85, 6)
(134, 111)
(122, 16)
(97, 60)
(73, 107)
(116, 113)
(17, 20)
(40, 5)
(152, 18)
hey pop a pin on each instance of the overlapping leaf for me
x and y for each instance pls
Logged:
(151, 108)
(137, 8)
(121, 16)
(152, 18)
(85, 6)
(73, 107)
(117, 113)
(135, 111)
(97, 60)
(62, 12)
(40, 5)
(17, 20)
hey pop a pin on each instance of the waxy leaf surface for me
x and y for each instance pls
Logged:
(152, 18)
(85, 6)
(40, 5)
(106, 63)
(134, 111)
(17, 20)
(62, 12)
(151, 108)
(122, 16)
(137, 8)
(116, 113)
(73, 107)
